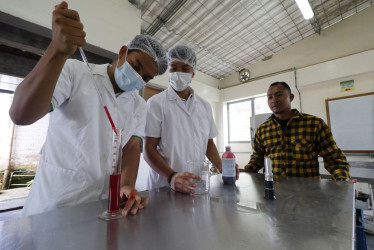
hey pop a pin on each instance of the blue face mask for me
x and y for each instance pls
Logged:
(127, 78)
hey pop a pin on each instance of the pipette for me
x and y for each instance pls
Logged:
(97, 89)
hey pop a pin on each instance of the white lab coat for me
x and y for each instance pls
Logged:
(184, 130)
(75, 159)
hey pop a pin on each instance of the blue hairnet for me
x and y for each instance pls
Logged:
(153, 48)
(181, 53)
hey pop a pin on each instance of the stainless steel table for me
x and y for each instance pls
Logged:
(307, 214)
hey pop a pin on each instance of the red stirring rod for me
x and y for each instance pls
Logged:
(110, 119)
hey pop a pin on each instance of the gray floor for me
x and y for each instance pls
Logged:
(12, 199)
(6, 213)
(370, 241)
(10, 215)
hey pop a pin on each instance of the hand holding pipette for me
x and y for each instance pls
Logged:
(67, 30)
(74, 39)
(32, 98)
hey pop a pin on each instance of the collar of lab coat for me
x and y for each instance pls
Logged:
(102, 69)
(174, 96)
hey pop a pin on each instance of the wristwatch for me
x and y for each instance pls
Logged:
(171, 177)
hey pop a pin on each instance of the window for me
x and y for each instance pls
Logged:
(239, 117)
(21, 143)
(261, 105)
(239, 114)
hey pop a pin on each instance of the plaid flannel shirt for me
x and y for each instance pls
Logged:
(295, 151)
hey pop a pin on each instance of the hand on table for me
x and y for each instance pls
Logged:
(134, 201)
(352, 180)
(182, 181)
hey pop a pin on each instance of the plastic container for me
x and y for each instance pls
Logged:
(228, 167)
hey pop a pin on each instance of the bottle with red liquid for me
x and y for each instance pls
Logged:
(228, 167)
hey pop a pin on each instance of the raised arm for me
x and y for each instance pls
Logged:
(33, 96)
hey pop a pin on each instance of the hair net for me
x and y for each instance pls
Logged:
(153, 48)
(183, 54)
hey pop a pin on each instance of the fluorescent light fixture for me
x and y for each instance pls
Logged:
(305, 8)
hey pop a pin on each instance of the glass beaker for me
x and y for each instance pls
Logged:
(114, 211)
(200, 168)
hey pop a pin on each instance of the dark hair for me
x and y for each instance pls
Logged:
(283, 84)
(128, 53)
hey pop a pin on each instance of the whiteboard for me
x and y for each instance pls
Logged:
(351, 120)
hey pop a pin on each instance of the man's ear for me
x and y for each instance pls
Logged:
(193, 74)
(292, 96)
(122, 52)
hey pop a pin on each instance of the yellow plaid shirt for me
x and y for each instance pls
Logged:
(295, 151)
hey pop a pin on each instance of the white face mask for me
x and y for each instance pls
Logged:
(179, 81)
(127, 78)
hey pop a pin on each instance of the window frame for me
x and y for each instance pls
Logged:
(228, 117)
(253, 113)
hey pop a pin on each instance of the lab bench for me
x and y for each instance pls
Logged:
(307, 214)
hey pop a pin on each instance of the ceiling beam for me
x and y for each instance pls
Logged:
(167, 13)
(314, 22)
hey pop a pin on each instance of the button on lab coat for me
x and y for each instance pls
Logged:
(184, 130)
(75, 159)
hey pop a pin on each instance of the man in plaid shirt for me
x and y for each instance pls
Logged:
(294, 140)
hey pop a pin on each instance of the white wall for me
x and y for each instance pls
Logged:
(352, 35)
(314, 96)
(108, 24)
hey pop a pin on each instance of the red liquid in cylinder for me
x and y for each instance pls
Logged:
(114, 188)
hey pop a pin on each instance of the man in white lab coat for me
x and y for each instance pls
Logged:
(75, 159)
(179, 128)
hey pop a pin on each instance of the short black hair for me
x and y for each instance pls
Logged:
(284, 84)
(128, 53)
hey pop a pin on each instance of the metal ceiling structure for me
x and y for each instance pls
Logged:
(229, 35)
